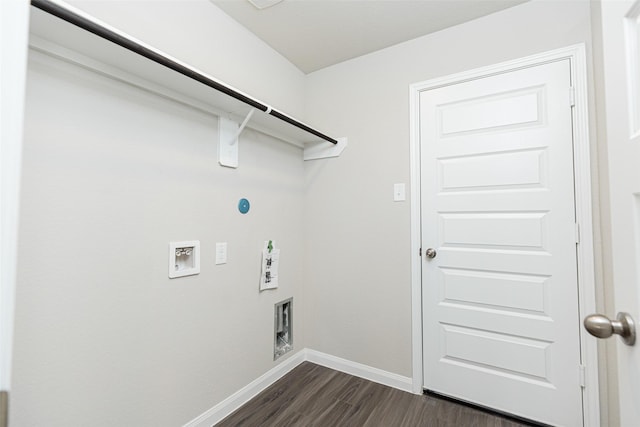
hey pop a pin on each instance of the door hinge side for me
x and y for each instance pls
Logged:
(582, 374)
(572, 97)
(577, 233)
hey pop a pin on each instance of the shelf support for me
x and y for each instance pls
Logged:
(234, 140)
(228, 135)
(324, 150)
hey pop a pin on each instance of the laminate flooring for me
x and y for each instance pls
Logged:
(314, 396)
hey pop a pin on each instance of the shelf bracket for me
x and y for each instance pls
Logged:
(228, 134)
(324, 150)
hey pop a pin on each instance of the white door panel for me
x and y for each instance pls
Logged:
(461, 201)
(493, 230)
(497, 170)
(483, 288)
(501, 111)
(500, 352)
(497, 319)
(529, 263)
(500, 302)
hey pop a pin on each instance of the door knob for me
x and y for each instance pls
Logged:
(602, 327)
(431, 253)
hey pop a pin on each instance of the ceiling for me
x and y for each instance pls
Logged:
(313, 34)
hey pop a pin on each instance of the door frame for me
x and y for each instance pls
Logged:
(14, 26)
(576, 54)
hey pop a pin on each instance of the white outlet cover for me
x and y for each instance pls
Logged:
(399, 192)
(184, 265)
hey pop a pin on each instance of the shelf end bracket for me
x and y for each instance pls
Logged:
(324, 150)
(228, 134)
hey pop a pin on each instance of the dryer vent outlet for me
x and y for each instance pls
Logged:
(283, 328)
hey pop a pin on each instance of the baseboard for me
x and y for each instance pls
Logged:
(242, 396)
(246, 393)
(359, 370)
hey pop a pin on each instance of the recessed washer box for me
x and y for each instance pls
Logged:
(184, 258)
(283, 328)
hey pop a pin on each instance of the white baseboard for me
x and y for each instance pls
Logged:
(246, 393)
(242, 396)
(359, 370)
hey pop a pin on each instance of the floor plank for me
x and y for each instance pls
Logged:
(314, 396)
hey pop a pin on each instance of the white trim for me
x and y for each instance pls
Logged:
(582, 174)
(248, 392)
(416, 233)
(14, 25)
(359, 370)
(585, 249)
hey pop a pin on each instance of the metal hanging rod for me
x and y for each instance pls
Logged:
(157, 57)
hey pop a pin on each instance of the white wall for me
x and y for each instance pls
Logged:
(357, 255)
(111, 175)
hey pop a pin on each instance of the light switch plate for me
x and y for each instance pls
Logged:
(399, 193)
(221, 253)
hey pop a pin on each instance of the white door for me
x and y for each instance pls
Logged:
(14, 24)
(500, 297)
(621, 63)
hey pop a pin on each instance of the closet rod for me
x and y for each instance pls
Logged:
(97, 29)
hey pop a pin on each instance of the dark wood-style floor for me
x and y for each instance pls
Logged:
(312, 395)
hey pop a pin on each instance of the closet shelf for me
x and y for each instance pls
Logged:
(59, 30)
